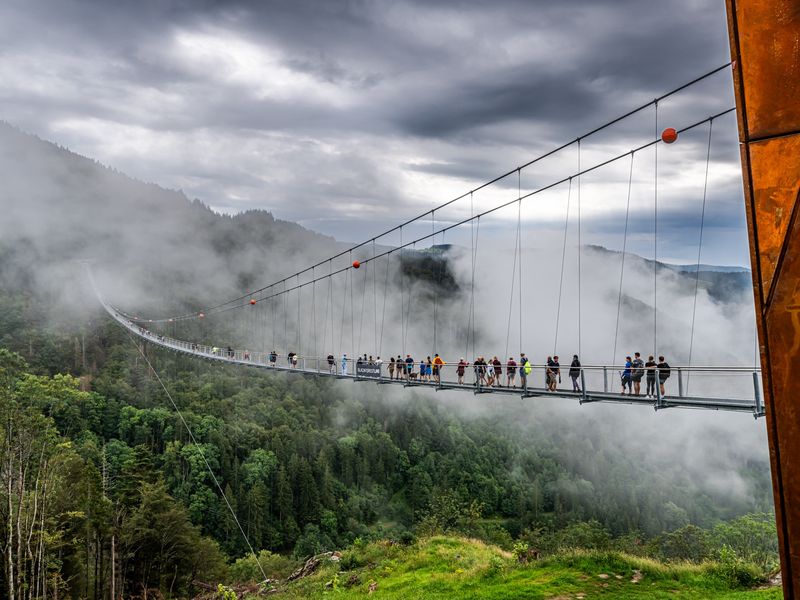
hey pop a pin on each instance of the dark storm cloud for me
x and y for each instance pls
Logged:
(337, 105)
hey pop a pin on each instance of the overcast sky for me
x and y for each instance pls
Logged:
(349, 116)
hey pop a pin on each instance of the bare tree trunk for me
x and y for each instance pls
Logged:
(113, 566)
(9, 541)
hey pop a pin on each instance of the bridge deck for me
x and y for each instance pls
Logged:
(319, 368)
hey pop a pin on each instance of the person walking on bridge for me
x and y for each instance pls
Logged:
(331, 364)
(438, 363)
(460, 370)
(638, 373)
(409, 367)
(344, 364)
(511, 372)
(626, 376)
(650, 369)
(498, 371)
(575, 373)
(524, 370)
(663, 374)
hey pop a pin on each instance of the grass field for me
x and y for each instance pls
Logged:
(448, 567)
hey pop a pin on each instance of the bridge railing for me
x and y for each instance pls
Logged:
(720, 387)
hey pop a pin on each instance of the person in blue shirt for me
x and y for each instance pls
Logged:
(344, 364)
(627, 376)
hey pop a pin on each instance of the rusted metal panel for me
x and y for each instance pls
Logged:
(769, 43)
(775, 196)
(765, 48)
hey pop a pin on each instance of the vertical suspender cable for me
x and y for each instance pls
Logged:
(563, 257)
(622, 266)
(472, 300)
(299, 324)
(342, 345)
(699, 250)
(314, 309)
(519, 237)
(513, 278)
(285, 322)
(383, 310)
(272, 323)
(435, 284)
(472, 283)
(408, 310)
(655, 238)
(580, 314)
(352, 312)
(402, 297)
(363, 308)
(374, 267)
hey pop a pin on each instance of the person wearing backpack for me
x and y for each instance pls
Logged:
(663, 373)
(638, 373)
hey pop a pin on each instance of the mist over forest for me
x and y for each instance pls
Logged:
(314, 464)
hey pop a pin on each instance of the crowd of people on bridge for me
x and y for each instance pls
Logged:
(487, 373)
(490, 373)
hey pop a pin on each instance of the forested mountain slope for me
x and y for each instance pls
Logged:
(307, 464)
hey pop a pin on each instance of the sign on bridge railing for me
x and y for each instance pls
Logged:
(368, 371)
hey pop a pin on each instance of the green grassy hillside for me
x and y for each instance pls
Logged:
(447, 567)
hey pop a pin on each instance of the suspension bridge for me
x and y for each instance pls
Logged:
(731, 388)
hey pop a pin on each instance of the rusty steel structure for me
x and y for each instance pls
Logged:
(765, 49)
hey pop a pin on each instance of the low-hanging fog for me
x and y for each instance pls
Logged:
(157, 253)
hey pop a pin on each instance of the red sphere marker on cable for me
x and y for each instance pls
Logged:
(356, 264)
(252, 301)
(669, 135)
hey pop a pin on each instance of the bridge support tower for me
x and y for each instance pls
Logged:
(765, 47)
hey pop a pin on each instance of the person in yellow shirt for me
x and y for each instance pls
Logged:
(438, 363)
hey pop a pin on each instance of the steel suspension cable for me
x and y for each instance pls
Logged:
(491, 210)
(199, 449)
(699, 251)
(485, 184)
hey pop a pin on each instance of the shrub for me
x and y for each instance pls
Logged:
(734, 571)
(753, 537)
(407, 538)
(687, 543)
(312, 542)
(496, 565)
(246, 569)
